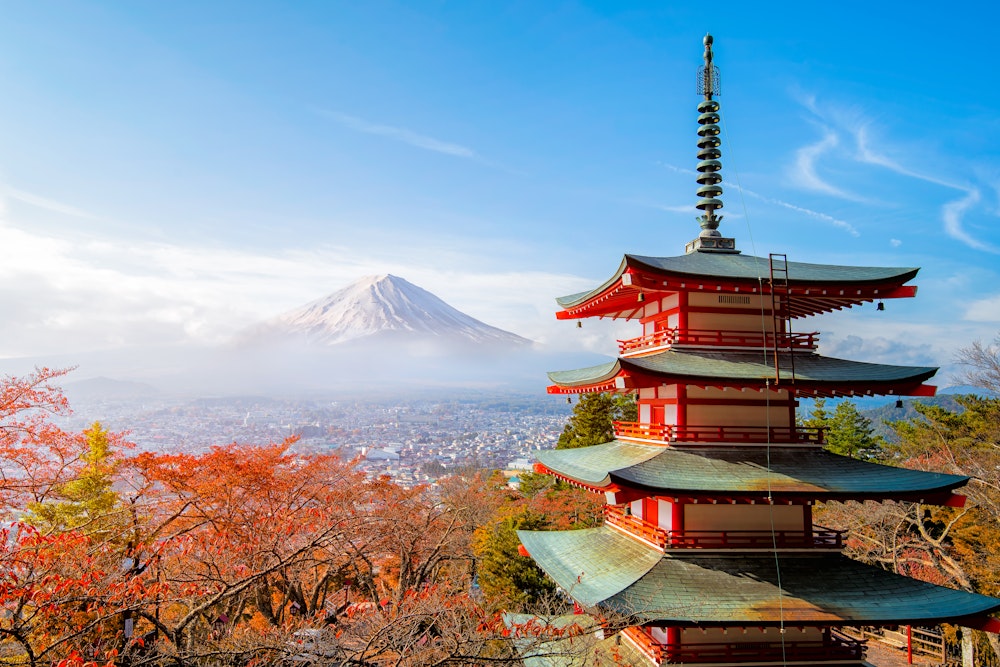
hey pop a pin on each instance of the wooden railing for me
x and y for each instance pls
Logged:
(835, 647)
(800, 435)
(817, 537)
(649, 647)
(713, 338)
(635, 526)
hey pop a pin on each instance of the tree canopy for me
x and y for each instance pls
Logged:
(247, 554)
(846, 431)
(592, 421)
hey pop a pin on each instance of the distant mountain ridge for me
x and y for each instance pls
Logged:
(377, 306)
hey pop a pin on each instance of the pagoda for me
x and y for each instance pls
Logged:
(709, 553)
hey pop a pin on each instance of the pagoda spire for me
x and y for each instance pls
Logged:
(709, 178)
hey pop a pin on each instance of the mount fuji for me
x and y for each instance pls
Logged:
(380, 307)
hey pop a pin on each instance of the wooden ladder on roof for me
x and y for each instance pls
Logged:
(781, 314)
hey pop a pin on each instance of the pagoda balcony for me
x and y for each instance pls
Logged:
(817, 537)
(834, 647)
(665, 433)
(712, 338)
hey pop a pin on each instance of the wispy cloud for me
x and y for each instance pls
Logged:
(867, 155)
(401, 134)
(953, 212)
(854, 123)
(806, 172)
(43, 203)
(836, 222)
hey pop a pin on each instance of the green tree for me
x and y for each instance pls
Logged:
(949, 546)
(87, 502)
(847, 431)
(592, 421)
(508, 579)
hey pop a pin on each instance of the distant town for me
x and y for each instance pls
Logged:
(414, 440)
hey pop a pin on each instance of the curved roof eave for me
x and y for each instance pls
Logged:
(828, 589)
(586, 376)
(748, 368)
(756, 366)
(815, 474)
(743, 268)
(601, 566)
(748, 267)
(741, 471)
(576, 299)
(592, 465)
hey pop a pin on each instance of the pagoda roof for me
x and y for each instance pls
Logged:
(604, 567)
(814, 373)
(813, 288)
(743, 471)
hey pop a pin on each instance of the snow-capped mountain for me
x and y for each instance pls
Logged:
(380, 306)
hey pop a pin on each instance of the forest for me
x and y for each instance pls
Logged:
(252, 555)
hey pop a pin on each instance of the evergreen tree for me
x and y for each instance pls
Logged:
(87, 502)
(592, 421)
(505, 576)
(847, 431)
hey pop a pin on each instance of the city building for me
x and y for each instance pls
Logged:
(709, 553)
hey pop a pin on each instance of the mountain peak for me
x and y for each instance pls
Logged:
(377, 304)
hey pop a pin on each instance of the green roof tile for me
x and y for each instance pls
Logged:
(747, 267)
(738, 366)
(741, 589)
(806, 472)
(809, 367)
(591, 465)
(622, 560)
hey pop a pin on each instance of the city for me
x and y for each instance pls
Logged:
(413, 440)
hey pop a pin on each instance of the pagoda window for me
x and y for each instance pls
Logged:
(740, 635)
(710, 312)
(736, 518)
(665, 513)
(635, 508)
(719, 407)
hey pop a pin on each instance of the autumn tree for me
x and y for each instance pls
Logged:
(948, 546)
(228, 556)
(982, 364)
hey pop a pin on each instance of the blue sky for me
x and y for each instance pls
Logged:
(173, 172)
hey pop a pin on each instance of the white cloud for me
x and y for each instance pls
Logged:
(952, 214)
(836, 222)
(805, 170)
(60, 296)
(399, 134)
(895, 243)
(986, 309)
(854, 123)
(46, 204)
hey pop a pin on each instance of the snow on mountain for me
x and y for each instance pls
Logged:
(376, 306)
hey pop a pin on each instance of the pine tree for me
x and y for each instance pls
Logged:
(87, 502)
(847, 431)
(592, 421)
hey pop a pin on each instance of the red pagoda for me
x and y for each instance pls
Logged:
(709, 548)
